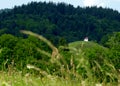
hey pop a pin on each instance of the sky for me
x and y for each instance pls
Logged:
(114, 4)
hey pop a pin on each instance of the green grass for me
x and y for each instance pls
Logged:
(84, 45)
(86, 64)
(17, 79)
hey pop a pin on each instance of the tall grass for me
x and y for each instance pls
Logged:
(54, 49)
(73, 68)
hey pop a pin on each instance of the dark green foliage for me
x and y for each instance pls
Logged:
(62, 42)
(114, 41)
(19, 52)
(5, 57)
(61, 20)
(62, 23)
(86, 59)
(8, 40)
(95, 59)
(113, 44)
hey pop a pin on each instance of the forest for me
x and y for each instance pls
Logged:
(42, 43)
(56, 21)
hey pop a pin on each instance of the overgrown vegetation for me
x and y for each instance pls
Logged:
(56, 57)
(78, 63)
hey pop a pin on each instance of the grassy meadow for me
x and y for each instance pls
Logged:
(17, 79)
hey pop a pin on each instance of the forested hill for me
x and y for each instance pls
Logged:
(60, 21)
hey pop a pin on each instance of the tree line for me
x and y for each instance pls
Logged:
(56, 21)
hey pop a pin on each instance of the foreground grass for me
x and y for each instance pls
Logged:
(83, 64)
(17, 79)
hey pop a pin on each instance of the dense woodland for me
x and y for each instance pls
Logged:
(65, 27)
(60, 21)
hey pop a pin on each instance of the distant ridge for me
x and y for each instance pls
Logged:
(56, 21)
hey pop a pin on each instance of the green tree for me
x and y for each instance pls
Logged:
(8, 41)
(62, 42)
(114, 45)
(6, 56)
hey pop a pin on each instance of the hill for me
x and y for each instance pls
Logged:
(84, 45)
(88, 48)
(56, 21)
(32, 56)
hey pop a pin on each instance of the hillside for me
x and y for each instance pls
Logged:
(88, 48)
(56, 21)
(30, 60)
(84, 45)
